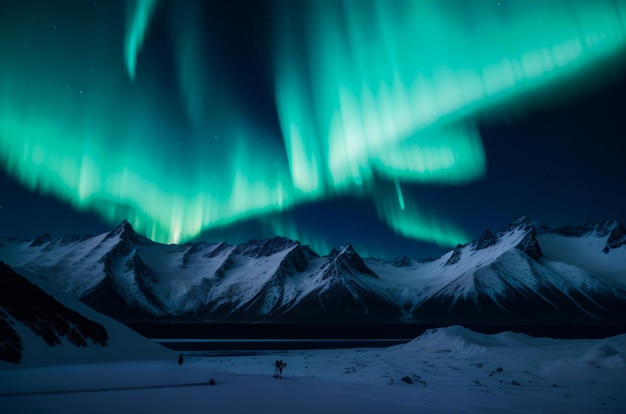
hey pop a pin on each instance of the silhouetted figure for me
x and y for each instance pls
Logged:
(180, 359)
(276, 368)
(278, 372)
(280, 369)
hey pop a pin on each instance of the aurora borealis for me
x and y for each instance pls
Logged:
(183, 119)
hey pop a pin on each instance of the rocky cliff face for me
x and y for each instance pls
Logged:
(22, 302)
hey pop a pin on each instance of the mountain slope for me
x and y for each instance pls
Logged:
(342, 278)
(598, 248)
(526, 273)
(40, 326)
(510, 278)
(23, 303)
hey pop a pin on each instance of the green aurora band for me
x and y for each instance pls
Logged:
(140, 12)
(369, 94)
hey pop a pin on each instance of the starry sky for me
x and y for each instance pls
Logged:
(404, 127)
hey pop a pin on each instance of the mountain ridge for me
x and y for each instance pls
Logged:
(523, 273)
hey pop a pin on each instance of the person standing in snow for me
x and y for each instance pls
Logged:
(277, 365)
(278, 372)
(180, 359)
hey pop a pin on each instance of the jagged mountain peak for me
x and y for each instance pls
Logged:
(345, 259)
(265, 247)
(401, 261)
(455, 256)
(126, 232)
(124, 226)
(529, 243)
(296, 260)
(308, 250)
(74, 238)
(617, 238)
(487, 239)
(209, 250)
(522, 222)
(41, 240)
(125, 274)
(606, 226)
(520, 234)
(47, 240)
(600, 228)
(197, 247)
(343, 249)
(612, 230)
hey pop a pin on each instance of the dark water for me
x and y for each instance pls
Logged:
(236, 347)
(242, 337)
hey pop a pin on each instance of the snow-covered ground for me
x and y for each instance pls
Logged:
(451, 370)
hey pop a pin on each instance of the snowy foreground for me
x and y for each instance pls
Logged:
(451, 370)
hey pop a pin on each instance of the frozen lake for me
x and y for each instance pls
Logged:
(191, 345)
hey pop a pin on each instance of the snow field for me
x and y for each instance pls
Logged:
(450, 370)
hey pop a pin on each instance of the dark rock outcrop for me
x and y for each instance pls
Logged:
(23, 302)
(41, 240)
(345, 260)
(617, 238)
(487, 239)
(401, 261)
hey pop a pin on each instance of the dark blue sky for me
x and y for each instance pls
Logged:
(562, 164)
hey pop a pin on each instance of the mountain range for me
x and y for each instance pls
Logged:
(527, 273)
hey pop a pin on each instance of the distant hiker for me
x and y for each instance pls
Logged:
(180, 359)
(278, 372)
(276, 368)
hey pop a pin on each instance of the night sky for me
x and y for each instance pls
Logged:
(401, 127)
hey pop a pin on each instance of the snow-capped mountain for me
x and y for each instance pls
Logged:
(526, 273)
(40, 325)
